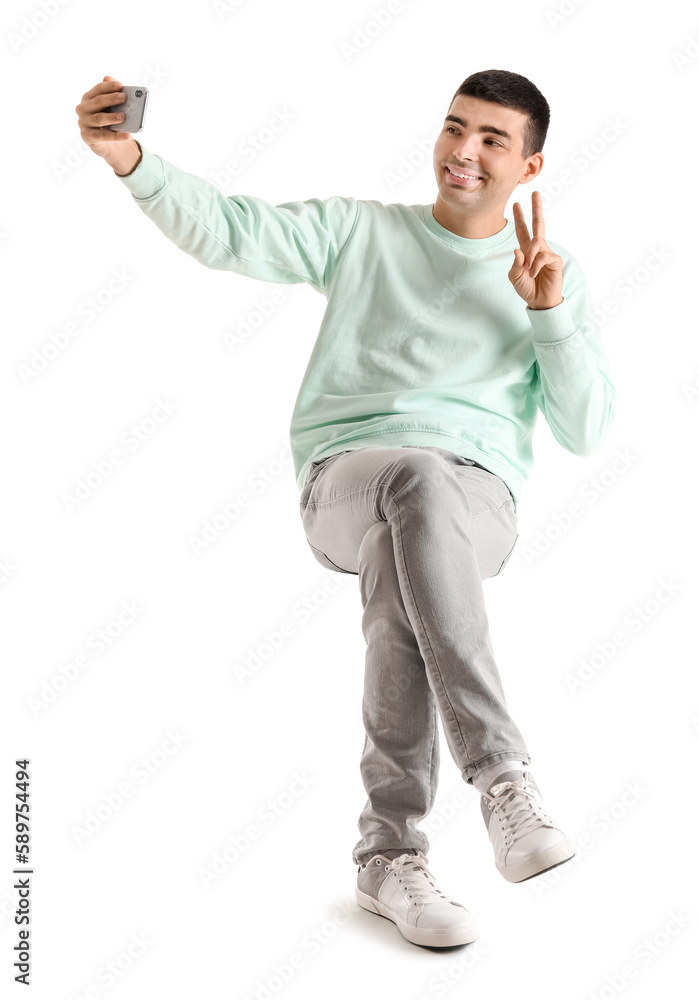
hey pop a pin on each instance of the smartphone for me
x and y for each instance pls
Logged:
(135, 108)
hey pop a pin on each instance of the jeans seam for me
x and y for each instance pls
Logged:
(493, 510)
(497, 756)
(429, 645)
(349, 493)
(394, 495)
(506, 559)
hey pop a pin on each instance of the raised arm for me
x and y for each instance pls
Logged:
(293, 242)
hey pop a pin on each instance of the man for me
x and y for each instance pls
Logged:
(447, 328)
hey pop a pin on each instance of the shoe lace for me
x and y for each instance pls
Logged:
(520, 807)
(418, 879)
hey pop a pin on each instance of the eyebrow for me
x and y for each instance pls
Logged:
(483, 128)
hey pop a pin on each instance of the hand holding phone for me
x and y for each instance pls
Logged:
(134, 107)
(106, 134)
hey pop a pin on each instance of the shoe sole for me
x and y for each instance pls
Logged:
(438, 938)
(552, 857)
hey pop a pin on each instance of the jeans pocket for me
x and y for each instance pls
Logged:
(314, 471)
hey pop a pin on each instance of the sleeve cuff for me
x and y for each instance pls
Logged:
(147, 177)
(549, 325)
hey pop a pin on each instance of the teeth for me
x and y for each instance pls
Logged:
(472, 176)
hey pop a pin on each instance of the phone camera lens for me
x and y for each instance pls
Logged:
(139, 93)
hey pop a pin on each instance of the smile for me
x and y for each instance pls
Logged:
(463, 181)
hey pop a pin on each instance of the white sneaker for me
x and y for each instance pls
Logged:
(525, 839)
(404, 891)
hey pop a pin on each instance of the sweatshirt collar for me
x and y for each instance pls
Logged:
(467, 246)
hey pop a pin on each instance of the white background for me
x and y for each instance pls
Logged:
(66, 221)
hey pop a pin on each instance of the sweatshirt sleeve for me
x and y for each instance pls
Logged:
(572, 385)
(289, 243)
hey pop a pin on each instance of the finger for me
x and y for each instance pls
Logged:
(537, 215)
(108, 85)
(537, 246)
(536, 265)
(521, 226)
(531, 253)
(103, 118)
(517, 265)
(92, 116)
(91, 105)
(105, 100)
(101, 134)
(541, 260)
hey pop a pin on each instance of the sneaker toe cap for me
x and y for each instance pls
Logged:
(535, 842)
(448, 915)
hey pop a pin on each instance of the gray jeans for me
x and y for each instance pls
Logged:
(422, 528)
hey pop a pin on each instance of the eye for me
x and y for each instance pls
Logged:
(450, 128)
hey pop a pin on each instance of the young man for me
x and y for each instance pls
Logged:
(447, 328)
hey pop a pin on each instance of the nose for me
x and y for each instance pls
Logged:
(466, 151)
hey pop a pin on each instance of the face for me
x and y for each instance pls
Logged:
(486, 141)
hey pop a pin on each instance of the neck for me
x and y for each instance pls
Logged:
(470, 227)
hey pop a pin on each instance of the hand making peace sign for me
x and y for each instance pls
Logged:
(537, 272)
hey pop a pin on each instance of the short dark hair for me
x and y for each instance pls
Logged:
(516, 92)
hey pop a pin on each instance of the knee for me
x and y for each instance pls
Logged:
(376, 544)
(424, 472)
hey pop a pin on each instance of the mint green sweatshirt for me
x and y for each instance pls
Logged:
(424, 340)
